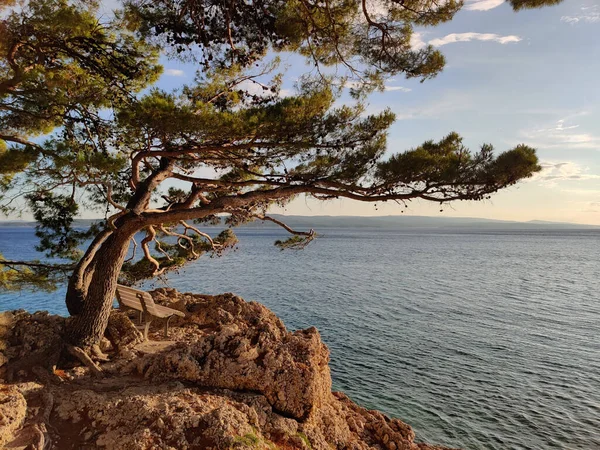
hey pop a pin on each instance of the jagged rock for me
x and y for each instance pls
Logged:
(35, 333)
(248, 348)
(13, 409)
(230, 376)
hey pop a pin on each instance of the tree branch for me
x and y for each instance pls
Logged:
(150, 236)
(286, 227)
(37, 265)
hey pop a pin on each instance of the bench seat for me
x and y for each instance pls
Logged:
(130, 298)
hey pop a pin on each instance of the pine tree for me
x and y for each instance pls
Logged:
(77, 131)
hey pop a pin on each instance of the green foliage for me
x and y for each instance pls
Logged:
(532, 4)
(12, 162)
(37, 277)
(59, 63)
(54, 215)
(295, 242)
(174, 251)
(304, 439)
(247, 440)
(460, 173)
(371, 42)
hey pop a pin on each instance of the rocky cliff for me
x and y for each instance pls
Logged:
(229, 376)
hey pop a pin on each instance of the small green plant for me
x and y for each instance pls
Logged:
(249, 439)
(304, 439)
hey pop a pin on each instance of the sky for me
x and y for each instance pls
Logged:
(528, 77)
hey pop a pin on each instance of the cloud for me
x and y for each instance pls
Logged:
(589, 14)
(351, 84)
(466, 37)
(482, 5)
(175, 73)
(416, 40)
(553, 172)
(560, 135)
(397, 88)
(449, 103)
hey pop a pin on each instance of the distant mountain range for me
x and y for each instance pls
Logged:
(388, 222)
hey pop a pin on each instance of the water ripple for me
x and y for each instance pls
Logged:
(478, 340)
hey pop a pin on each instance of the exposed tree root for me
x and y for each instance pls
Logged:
(85, 359)
(98, 354)
(41, 440)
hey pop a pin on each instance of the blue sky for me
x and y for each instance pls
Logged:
(528, 77)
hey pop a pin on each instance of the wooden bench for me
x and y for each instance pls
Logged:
(130, 298)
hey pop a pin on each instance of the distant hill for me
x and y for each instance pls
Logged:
(386, 222)
(419, 222)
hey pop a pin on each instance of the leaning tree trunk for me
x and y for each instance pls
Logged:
(87, 327)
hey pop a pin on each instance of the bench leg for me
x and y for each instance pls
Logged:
(167, 326)
(141, 317)
(146, 328)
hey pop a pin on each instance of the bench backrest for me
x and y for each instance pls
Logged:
(136, 299)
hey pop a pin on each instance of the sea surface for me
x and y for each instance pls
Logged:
(478, 339)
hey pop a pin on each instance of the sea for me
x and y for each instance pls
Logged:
(477, 338)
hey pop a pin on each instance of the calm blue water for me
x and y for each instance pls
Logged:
(484, 340)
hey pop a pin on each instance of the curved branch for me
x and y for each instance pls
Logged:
(109, 198)
(18, 140)
(197, 231)
(150, 236)
(134, 250)
(160, 249)
(286, 227)
(180, 236)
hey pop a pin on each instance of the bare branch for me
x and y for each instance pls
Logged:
(151, 236)
(197, 231)
(134, 250)
(109, 198)
(160, 249)
(180, 236)
(286, 227)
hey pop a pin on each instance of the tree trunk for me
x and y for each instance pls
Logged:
(87, 327)
(79, 280)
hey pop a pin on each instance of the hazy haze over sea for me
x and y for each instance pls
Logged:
(478, 338)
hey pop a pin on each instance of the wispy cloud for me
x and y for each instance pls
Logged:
(350, 84)
(482, 5)
(560, 126)
(588, 14)
(448, 104)
(174, 73)
(466, 37)
(561, 135)
(397, 88)
(417, 40)
(553, 172)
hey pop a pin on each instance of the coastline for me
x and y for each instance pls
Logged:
(230, 376)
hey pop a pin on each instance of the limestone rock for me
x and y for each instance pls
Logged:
(13, 409)
(231, 376)
(248, 348)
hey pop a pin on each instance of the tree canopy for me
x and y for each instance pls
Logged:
(82, 127)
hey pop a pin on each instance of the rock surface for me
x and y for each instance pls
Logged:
(231, 376)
